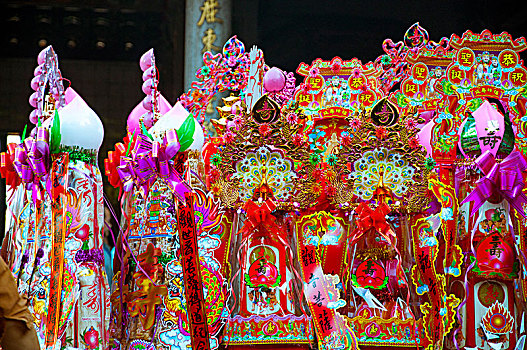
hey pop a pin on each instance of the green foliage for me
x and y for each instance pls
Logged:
(55, 137)
(185, 133)
(24, 133)
(145, 131)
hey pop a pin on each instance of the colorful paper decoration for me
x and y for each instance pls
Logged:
(302, 220)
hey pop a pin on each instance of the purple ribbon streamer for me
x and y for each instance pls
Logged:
(90, 255)
(504, 179)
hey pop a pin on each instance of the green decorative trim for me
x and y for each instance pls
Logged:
(332, 159)
(356, 284)
(216, 159)
(248, 282)
(76, 153)
(164, 259)
(512, 275)
(430, 163)
(314, 158)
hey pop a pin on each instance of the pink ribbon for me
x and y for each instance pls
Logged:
(150, 160)
(504, 179)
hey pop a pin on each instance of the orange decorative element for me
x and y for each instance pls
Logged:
(498, 319)
(143, 301)
(7, 170)
(114, 158)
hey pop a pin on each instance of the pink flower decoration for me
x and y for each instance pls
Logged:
(238, 121)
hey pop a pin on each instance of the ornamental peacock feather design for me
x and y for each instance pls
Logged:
(265, 166)
(381, 167)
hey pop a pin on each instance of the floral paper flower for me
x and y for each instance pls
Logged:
(316, 188)
(214, 172)
(264, 130)
(330, 191)
(430, 163)
(346, 139)
(229, 137)
(298, 139)
(386, 60)
(215, 189)
(314, 158)
(381, 132)
(355, 123)
(413, 142)
(336, 66)
(332, 159)
(205, 71)
(411, 123)
(216, 159)
(313, 72)
(317, 173)
(238, 121)
(292, 118)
